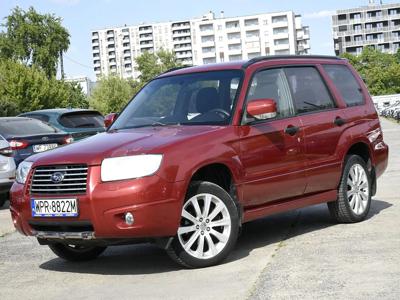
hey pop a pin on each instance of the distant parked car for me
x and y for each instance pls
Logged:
(80, 123)
(7, 170)
(28, 136)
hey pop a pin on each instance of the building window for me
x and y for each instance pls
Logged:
(251, 22)
(278, 19)
(235, 57)
(280, 30)
(219, 27)
(281, 42)
(232, 24)
(253, 33)
(210, 60)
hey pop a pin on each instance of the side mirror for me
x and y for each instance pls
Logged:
(109, 119)
(262, 109)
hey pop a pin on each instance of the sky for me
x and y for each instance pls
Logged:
(80, 17)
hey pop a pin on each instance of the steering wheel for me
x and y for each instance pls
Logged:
(220, 112)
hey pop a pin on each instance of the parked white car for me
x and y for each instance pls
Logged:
(7, 170)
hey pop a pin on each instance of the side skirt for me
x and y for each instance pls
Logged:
(257, 212)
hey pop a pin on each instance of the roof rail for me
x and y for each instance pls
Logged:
(272, 57)
(174, 69)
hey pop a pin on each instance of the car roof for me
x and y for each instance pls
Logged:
(243, 64)
(59, 111)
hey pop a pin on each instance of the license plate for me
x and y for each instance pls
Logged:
(54, 207)
(44, 147)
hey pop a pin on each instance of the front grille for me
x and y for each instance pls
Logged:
(73, 182)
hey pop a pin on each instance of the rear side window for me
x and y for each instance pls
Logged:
(309, 91)
(43, 118)
(24, 127)
(346, 84)
(82, 120)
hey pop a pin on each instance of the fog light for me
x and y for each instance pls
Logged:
(129, 218)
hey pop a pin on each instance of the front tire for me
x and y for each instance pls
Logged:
(208, 229)
(354, 193)
(76, 252)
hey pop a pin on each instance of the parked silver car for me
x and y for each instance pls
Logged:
(7, 170)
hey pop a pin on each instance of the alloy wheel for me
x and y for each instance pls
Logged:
(205, 226)
(357, 189)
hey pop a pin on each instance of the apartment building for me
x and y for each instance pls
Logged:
(209, 39)
(375, 25)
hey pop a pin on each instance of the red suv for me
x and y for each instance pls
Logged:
(199, 151)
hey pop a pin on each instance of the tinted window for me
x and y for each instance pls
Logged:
(24, 127)
(272, 84)
(82, 120)
(43, 118)
(309, 91)
(346, 84)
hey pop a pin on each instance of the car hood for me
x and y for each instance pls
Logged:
(127, 142)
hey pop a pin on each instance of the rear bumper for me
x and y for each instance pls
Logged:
(155, 204)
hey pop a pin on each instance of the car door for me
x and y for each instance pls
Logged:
(271, 151)
(323, 124)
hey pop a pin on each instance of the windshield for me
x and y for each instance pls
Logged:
(191, 99)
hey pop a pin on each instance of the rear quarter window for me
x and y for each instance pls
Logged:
(346, 83)
(43, 118)
(82, 120)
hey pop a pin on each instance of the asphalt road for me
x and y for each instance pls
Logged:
(300, 254)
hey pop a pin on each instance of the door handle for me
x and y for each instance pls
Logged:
(291, 130)
(339, 121)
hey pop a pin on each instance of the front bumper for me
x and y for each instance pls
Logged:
(155, 203)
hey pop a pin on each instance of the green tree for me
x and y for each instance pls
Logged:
(25, 89)
(34, 39)
(111, 94)
(380, 71)
(151, 65)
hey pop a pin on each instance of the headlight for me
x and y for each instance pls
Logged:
(23, 171)
(129, 167)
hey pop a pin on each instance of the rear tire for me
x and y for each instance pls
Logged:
(76, 252)
(208, 229)
(354, 193)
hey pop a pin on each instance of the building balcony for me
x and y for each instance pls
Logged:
(148, 45)
(285, 35)
(181, 34)
(281, 47)
(252, 38)
(144, 30)
(97, 63)
(232, 29)
(183, 48)
(209, 54)
(252, 27)
(183, 41)
(181, 26)
(111, 56)
(96, 51)
(187, 62)
(235, 41)
(112, 63)
(208, 44)
(206, 32)
(110, 35)
(235, 51)
(280, 24)
(127, 54)
(146, 38)
(184, 55)
(95, 43)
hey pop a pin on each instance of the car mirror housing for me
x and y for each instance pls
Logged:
(109, 119)
(262, 109)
